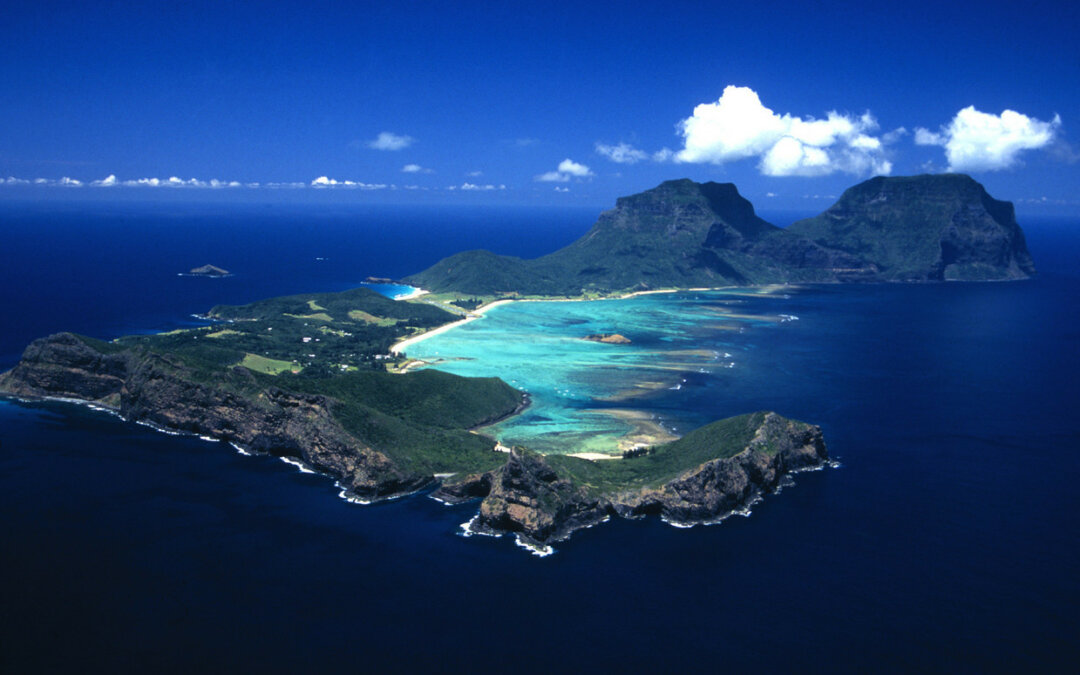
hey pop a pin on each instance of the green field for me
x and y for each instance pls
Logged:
(261, 364)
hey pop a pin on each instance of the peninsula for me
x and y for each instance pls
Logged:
(306, 376)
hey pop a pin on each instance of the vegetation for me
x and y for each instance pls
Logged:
(664, 462)
(261, 364)
(682, 234)
(337, 345)
(317, 334)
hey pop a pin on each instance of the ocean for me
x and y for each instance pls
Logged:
(946, 540)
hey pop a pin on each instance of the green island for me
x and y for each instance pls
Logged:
(325, 378)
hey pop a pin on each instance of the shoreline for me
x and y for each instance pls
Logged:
(412, 295)
(479, 312)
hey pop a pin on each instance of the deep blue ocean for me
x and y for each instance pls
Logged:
(947, 540)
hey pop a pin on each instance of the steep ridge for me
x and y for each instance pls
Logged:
(683, 234)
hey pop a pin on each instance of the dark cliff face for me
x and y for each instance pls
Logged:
(232, 407)
(532, 498)
(924, 228)
(527, 496)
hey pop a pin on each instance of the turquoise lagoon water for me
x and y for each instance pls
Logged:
(596, 397)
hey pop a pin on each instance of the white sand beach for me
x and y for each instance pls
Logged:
(472, 316)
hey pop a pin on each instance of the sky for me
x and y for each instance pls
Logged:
(556, 103)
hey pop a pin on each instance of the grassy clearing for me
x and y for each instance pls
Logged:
(361, 315)
(315, 307)
(261, 364)
(223, 333)
(319, 316)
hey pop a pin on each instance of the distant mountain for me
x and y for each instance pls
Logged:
(685, 234)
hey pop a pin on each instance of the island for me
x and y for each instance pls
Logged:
(208, 271)
(321, 378)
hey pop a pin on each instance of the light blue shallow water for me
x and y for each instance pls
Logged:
(589, 396)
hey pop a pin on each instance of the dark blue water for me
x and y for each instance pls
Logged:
(947, 541)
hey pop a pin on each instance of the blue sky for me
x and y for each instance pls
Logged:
(536, 103)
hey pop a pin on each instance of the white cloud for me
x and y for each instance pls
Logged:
(738, 126)
(894, 135)
(483, 188)
(415, 168)
(326, 182)
(561, 189)
(571, 167)
(194, 183)
(475, 174)
(927, 137)
(978, 141)
(567, 169)
(664, 155)
(387, 140)
(623, 153)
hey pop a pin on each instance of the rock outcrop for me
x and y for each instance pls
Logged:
(544, 503)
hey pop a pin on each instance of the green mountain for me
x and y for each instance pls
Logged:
(686, 234)
(924, 228)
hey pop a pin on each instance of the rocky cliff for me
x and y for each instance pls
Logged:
(545, 499)
(233, 407)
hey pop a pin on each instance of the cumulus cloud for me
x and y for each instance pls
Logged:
(415, 168)
(561, 189)
(738, 126)
(664, 155)
(978, 141)
(387, 140)
(326, 182)
(567, 169)
(623, 153)
(572, 168)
